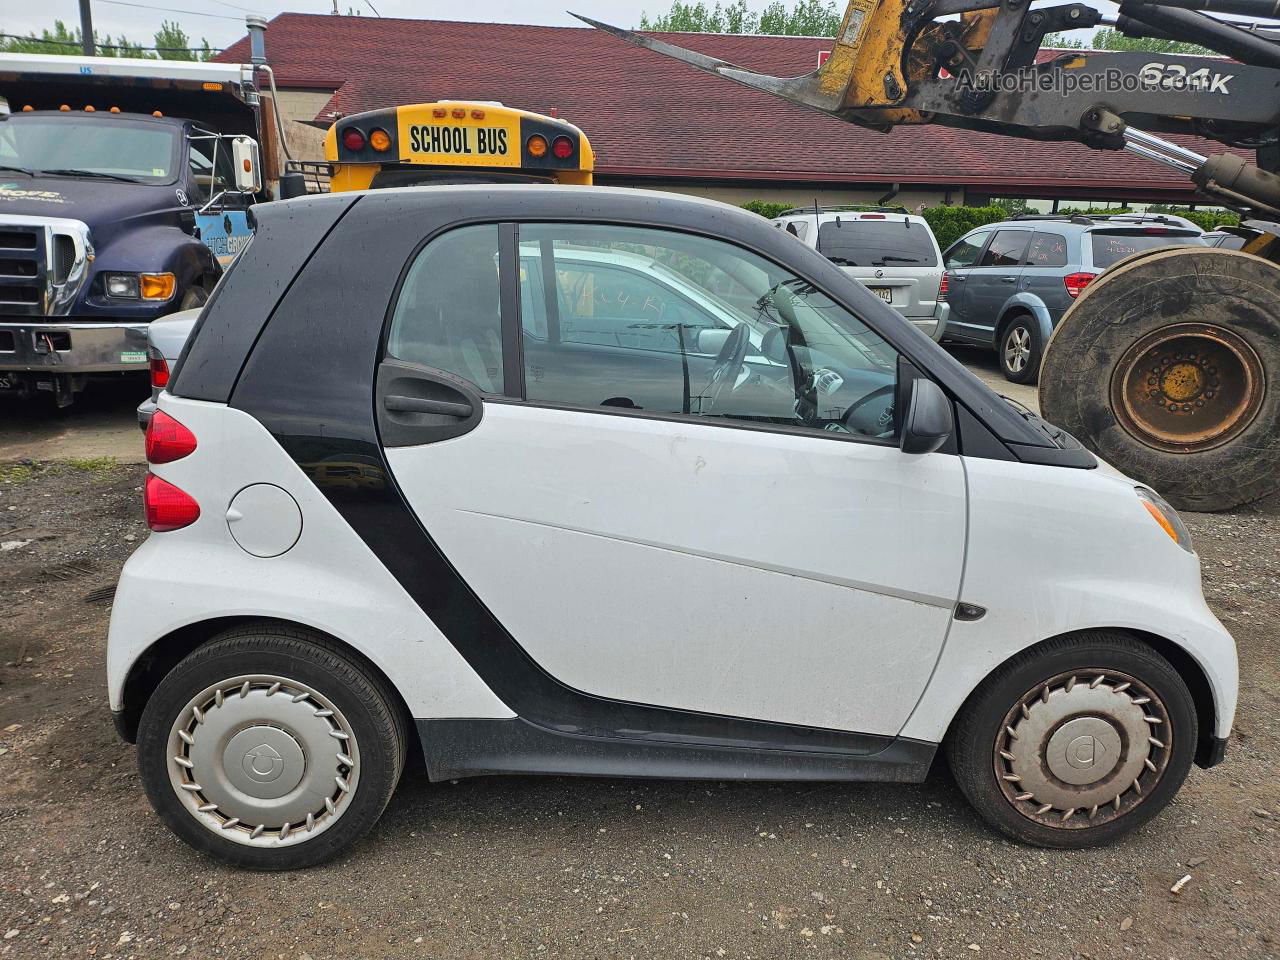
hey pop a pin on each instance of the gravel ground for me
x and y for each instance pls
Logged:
(508, 868)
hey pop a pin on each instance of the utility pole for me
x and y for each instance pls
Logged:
(86, 29)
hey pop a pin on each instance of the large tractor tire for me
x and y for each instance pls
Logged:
(1168, 367)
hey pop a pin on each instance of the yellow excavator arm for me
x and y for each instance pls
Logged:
(978, 64)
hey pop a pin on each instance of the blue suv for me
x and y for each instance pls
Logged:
(1009, 283)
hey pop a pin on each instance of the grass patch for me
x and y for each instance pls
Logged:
(17, 472)
(93, 464)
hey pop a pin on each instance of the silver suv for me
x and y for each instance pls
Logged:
(893, 253)
(1009, 283)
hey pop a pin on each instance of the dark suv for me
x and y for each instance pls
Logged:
(1009, 283)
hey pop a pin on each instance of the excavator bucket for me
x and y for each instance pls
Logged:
(864, 70)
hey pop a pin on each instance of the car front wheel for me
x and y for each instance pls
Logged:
(270, 748)
(1076, 742)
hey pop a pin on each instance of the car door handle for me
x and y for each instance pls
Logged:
(401, 404)
(1008, 279)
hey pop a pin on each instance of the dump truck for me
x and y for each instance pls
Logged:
(1168, 366)
(125, 189)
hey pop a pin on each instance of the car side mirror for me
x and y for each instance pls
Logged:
(929, 421)
(710, 339)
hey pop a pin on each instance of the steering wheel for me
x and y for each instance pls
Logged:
(886, 390)
(727, 364)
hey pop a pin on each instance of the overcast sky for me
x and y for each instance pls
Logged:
(222, 21)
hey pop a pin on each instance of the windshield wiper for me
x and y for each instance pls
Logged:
(883, 260)
(97, 174)
(843, 261)
(29, 173)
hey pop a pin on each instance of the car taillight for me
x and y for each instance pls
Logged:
(942, 287)
(167, 439)
(1076, 282)
(562, 147)
(159, 369)
(167, 507)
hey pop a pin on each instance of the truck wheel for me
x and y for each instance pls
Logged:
(1075, 742)
(1168, 367)
(269, 748)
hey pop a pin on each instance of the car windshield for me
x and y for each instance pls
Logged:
(111, 149)
(877, 243)
(1109, 248)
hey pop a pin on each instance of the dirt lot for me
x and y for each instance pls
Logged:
(555, 867)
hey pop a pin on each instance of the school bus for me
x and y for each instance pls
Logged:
(454, 141)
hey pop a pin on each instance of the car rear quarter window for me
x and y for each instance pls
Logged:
(1112, 246)
(1006, 249)
(447, 315)
(1047, 250)
(877, 243)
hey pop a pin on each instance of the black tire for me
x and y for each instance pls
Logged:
(196, 296)
(1023, 330)
(361, 699)
(979, 733)
(1086, 359)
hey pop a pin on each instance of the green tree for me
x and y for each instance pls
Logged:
(170, 38)
(807, 18)
(1108, 39)
(172, 43)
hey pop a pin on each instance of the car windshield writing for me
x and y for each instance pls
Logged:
(877, 243)
(1109, 248)
(112, 147)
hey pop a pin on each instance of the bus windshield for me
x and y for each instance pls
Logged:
(113, 148)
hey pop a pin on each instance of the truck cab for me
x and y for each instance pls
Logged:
(112, 215)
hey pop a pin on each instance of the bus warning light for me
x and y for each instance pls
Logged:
(353, 139)
(379, 139)
(536, 145)
(562, 147)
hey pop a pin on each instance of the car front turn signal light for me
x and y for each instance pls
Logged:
(1166, 517)
(157, 286)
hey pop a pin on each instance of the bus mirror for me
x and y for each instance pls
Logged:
(247, 160)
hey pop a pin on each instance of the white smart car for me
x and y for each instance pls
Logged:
(609, 482)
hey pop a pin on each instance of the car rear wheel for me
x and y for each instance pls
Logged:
(270, 748)
(1020, 350)
(1076, 742)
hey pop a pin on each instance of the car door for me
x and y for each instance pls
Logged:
(959, 260)
(747, 541)
(993, 281)
(1044, 269)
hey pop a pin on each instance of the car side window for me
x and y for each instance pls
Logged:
(964, 253)
(1006, 249)
(447, 315)
(672, 324)
(624, 306)
(1047, 250)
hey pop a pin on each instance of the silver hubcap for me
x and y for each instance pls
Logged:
(1082, 748)
(263, 760)
(1017, 349)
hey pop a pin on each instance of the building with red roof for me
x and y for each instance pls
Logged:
(657, 123)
